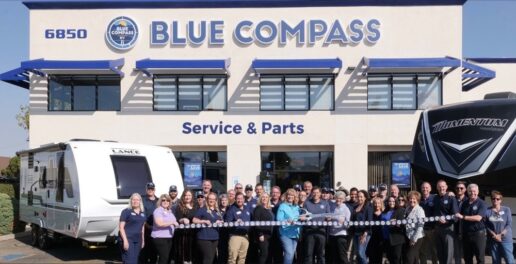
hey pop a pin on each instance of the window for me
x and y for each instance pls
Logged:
(296, 92)
(403, 91)
(190, 93)
(290, 168)
(131, 173)
(197, 166)
(84, 93)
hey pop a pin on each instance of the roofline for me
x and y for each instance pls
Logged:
(120, 4)
(492, 60)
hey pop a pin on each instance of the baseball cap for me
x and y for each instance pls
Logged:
(199, 194)
(172, 188)
(331, 191)
(297, 187)
(150, 185)
(325, 190)
(249, 187)
(372, 188)
(383, 187)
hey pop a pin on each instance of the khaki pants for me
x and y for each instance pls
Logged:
(238, 246)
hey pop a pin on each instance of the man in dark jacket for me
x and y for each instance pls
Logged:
(149, 253)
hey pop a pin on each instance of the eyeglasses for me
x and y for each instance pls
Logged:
(460, 188)
(165, 201)
(496, 199)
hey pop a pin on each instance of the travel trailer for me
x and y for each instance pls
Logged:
(79, 188)
(474, 142)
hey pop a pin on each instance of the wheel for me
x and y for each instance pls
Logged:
(44, 240)
(34, 230)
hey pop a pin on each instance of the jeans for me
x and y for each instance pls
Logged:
(361, 248)
(289, 248)
(502, 250)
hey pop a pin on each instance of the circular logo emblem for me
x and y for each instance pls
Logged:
(122, 33)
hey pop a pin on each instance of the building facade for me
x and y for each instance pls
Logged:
(252, 91)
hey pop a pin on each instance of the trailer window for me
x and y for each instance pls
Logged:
(131, 173)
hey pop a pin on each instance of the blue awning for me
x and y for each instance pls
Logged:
(149, 66)
(474, 75)
(383, 63)
(43, 67)
(18, 77)
(303, 65)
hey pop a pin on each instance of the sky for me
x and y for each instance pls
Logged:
(489, 30)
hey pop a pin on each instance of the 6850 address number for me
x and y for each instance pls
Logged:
(66, 33)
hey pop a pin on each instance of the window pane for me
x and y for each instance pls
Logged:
(214, 93)
(131, 174)
(190, 94)
(109, 93)
(321, 93)
(165, 93)
(84, 93)
(296, 93)
(271, 93)
(378, 92)
(404, 92)
(60, 94)
(429, 91)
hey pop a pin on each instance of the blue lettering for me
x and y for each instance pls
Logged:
(300, 129)
(244, 25)
(298, 32)
(186, 128)
(159, 34)
(336, 34)
(266, 126)
(176, 40)
(216, 32)
(356, 30)
(373, 28)
(265, 26)
(317, 29)
(191, 32)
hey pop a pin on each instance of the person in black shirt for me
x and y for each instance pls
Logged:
(362, 212)
(428, 248)
(263, 212)
(149, 253)
(444, 205)
(460, 196)
(472, 214)
(275, 247)
(183, 238)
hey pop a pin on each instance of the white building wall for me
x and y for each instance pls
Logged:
(406, 32)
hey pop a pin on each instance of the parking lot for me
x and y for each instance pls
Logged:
(18, 250)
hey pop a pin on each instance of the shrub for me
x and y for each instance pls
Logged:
(9, 215)
(8, 188)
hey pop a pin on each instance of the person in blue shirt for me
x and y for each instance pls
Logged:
(428, 248)
(289, 234)
(314, 237)
(499, 230)
(238, 235)
(208, 237)
(132, 230)
(250, 201)
(472, 213)
(444, 204)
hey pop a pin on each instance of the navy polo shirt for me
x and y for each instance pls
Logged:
(478, 207)
(234, 213)
(428, 205)
(149, 206)
(208, 233)
(251, 204)
(445, 205)
(366, 214)
(133, 224)
(322, 207)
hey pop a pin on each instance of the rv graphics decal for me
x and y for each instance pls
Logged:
(480, 122)
(125, 151)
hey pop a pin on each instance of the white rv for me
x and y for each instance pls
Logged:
(79, 188)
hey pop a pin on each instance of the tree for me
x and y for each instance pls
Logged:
(23, 117)
(13, 169)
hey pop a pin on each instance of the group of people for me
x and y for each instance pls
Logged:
(149, 234)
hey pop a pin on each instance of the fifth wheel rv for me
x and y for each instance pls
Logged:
(78, 188)
(474, 142)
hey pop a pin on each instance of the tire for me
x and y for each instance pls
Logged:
(44, 240)
(34, 235)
